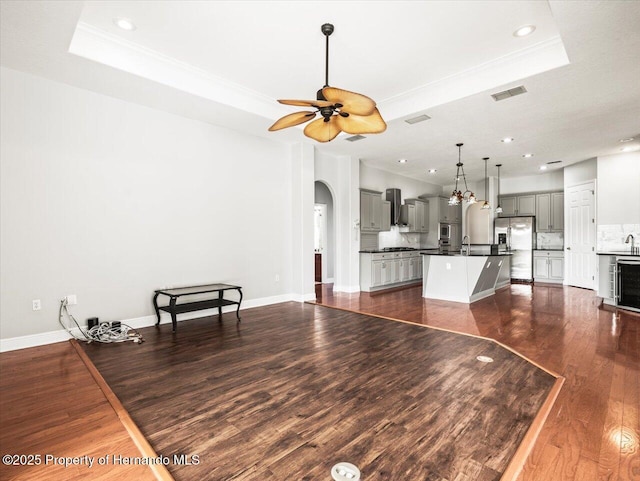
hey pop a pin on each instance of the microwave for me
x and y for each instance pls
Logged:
(444, 231)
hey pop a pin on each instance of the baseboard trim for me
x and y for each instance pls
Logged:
(51, 337)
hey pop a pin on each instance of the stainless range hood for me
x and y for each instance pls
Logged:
(394, 196)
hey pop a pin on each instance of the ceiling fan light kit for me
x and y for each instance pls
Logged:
(340, 110)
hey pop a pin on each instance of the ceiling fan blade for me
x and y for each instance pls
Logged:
(292, 119)
(323, 131)
(307, 103)
(362, 124)
(352, 102)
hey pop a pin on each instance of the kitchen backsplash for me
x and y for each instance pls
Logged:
(549, 240)
(395, 238)
(611, 236)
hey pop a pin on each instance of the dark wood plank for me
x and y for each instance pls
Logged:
(297, 388)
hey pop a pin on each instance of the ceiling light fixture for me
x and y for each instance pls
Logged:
(628, 139)
(498, 209)
(457, 196)
(432, 171)
(524, 31)
(507, 140)
(403, 161)
(527, 156)
(543, 167)
(340, 110)
(124, 24)
(486, 182)
(630, 148)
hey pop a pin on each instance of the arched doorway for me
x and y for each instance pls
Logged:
(324, 235)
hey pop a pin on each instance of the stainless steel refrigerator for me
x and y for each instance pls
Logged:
(516, 235)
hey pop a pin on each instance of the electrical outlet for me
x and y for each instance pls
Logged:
(72, 300)
(36, 304)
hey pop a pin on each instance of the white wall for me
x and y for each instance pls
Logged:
(532, 183)
(619, 189)
(376, 179)
(109, 200)
(580, 173)
(618, 200)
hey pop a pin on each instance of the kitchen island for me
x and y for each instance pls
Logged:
(463, 278)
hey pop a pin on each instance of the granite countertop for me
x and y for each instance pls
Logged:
(436, 252)
(382, 251)
(618, 253)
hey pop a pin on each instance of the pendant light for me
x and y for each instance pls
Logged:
(486, 182)
(498, 209)
(457, 196)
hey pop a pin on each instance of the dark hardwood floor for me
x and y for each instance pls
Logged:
(296, 388)
(593, 430)
(591, 434)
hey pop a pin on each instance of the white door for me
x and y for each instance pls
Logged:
(580, 235)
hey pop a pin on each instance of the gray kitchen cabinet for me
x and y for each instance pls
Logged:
(509, 206)
(370, 211)
(384, 270)
(548, 266)
(386, 216)
(415, 213)
(518, 205)
(443, 210)
(447, 214)
(557, 211)
(550, 212)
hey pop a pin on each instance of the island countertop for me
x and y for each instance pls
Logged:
(463, 278)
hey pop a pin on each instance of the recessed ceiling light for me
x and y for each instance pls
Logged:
(630, 148)
(432, 171)
(124, 24)
(403, 161)
(527, 156)
(543, 167)
(507, 140)
(524, 31)
(628, 139)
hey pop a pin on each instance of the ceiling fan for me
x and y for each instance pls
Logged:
(340, 109)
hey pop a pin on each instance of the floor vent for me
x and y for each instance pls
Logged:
(345, 472)
(355, 138)
(505, 94)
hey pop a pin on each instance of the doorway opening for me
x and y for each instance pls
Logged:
(324, 236)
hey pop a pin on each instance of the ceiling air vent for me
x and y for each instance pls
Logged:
(355, 138)
(505, 94)
(554, 162)
(419, 118)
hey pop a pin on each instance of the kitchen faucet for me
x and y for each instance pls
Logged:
(634, 249)
(468, 250)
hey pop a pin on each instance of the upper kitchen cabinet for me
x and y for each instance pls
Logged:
(415, 214)
(370, 210)
(550, 212)
(517, 205)
(386, 216)
(447, 214)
